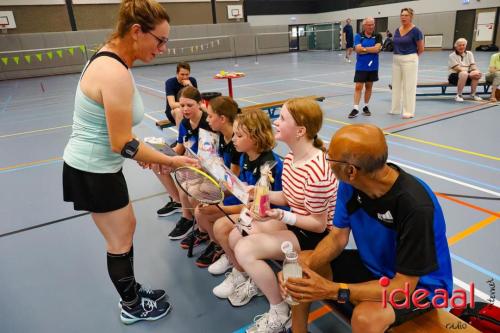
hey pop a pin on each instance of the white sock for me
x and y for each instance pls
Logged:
(366, 105)
(281, 308)
(356, 107)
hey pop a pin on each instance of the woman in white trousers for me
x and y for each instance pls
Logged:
(408, 45)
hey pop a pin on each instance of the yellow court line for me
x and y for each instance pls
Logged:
(472, 229)
(21, 165)
(31, 132)
(495, 158)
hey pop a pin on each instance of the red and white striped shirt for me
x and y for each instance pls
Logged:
(311, 187)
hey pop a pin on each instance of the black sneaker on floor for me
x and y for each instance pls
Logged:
(353, 113)
(211, 254)
(153, 294)
(366, 111)
(170, 208)
(199, 237)
(181, 229)
(147, 309)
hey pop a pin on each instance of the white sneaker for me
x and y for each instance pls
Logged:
(476, 98)
(220, 266)
(228, 286)
(244, 293)
(269, 322)
(459, 98)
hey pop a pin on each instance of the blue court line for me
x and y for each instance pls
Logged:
(390, 142)
(442, 172)
(475, 266)
(243, 329)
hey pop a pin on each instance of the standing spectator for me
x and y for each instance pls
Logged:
(348, 39)
(493, 76)
(107, 105)
(172, 88)
(367, 45)
(463, 70)
(408, 45)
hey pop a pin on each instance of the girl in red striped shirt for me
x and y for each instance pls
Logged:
(309, 189)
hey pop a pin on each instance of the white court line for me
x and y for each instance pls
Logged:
(334, 84)
(31, 132)
(172, 128)
(481, 294)
(451, 180)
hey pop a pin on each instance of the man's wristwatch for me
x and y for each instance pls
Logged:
(343, 293)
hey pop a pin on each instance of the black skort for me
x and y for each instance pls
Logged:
(94, 192)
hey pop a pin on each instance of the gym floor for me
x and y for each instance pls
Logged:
(53, 263)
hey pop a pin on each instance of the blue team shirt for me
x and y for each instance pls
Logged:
(228, 153)
(250, 173)
(407, 44)
(368, 61)
(186, 133)
(403, 231)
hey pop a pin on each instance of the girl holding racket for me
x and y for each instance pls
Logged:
(222, 112)
(194, 119)
(309, 189)
(253, 136)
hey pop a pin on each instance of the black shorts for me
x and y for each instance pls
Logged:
(349, 44)
(168, 113)
(348, 268)
(453, 79)
(366, 76)
(308, 239)
(94, 192)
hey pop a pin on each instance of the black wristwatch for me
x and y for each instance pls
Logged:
(130, 149)
(343, 294)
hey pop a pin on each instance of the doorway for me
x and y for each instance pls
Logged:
(297, 38)
(464, 26)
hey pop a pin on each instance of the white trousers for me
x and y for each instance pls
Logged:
(404, 83)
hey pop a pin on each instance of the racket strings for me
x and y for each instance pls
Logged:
(199, 186)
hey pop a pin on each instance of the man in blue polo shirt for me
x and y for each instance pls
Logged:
(367, 45)
(400, 234)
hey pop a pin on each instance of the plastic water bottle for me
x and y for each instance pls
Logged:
(291, 266)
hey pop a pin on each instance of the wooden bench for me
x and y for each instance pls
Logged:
(434, 321)
(444, 85)
(272, 107)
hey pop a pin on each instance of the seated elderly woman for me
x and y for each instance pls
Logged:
(493, 76)
(463, 70)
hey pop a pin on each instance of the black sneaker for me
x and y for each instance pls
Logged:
(153, 294)
(147, 309)
(211, 254)
(199, 237)
(353, 113)
(366, 111)
(181, 229)
(170, 208)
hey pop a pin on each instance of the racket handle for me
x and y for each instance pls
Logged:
(191, 243)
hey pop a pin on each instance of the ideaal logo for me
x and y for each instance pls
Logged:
(441, 298)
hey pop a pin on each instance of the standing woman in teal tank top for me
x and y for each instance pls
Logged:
(107, 105)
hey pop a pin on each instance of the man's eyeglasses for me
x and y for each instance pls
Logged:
(343, 162)
(161, 41)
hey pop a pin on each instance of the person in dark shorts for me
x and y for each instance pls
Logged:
(399, 231)
(367, 45)
(107, 105)
(463, 70)
(348, 35)
(173, 86)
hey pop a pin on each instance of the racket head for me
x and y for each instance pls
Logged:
(199, 185)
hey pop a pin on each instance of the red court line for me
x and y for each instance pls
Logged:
(467, 108)
(466, 204)
(318, 313)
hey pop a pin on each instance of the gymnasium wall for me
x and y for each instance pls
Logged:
(52, 15)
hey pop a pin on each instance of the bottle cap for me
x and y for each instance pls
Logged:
(286, 247)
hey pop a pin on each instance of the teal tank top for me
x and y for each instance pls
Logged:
(89, 148)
